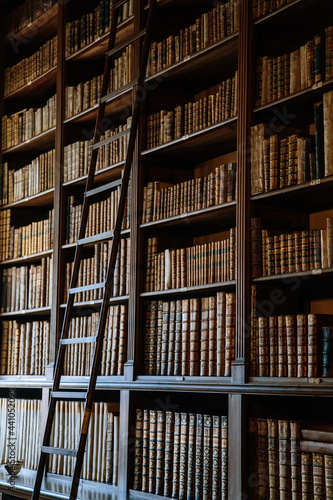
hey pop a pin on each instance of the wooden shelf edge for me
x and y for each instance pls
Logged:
(24, 381)
(212, 287)
(26, 201)
(294, 188)
(98, 173)
(70, 246)
(27, 258)
(31, 143)
(47, 76)
(27, 312)
(301, 274)
(122, 299)
(36, 24)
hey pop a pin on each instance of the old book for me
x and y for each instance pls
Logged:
(284, 457)
(138, 450)
(168, 453)
(152, 451)
(320, 136)
(191, 456)
(327, 132)
(257, 159)
(229, 333)
(145, 451)
(160, 453)
(327, 351)
(176, 456)
(328, 463)
(224, 458)
(198, 457)
(207, 457)
(216, 458)
(320, 432)
(263, 347)
(316, 447)
(262, 444)
(273, 458)
(306, 475)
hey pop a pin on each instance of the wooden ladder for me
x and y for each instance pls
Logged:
(91, 193)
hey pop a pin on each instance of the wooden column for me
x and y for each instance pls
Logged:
(237, 484)
(135, 219)
(244, 100)
(59, 215)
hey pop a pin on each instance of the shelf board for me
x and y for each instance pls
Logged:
(27, 258)
(24, 381)
(101, 175)
(40, 84)
(221, 214)
(285, 385)
(211, 141)
(99, 46)
(72, 246)
(314, 274)
(40, 311)
(43, 26)
(291, 8)
(189, 69)
(313, 196)
(121, 101)
(191, 290)
(39, 199)
(81, 382)
(40, 142)
(306, 96)
(122, 299)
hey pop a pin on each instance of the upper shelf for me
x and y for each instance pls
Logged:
(39, 29)
(207, 143)
(40, 142)
(99, 46)
(37, 200)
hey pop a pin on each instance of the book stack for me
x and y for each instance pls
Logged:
(29, 180)
(93, 270)
(181, 455)
(190, 337)
(28, 123)
(284, 75)
(28, 425)
(27, 287)
(33, 238)
(78, 357)
(5, 250)
(166, 126)
(290, 346)
(27, 70)
(101, 455)
(263, 7)
(278, 162)
(86, 95)
(102, 216)
(77, 155)
(209, 28)
(162, 200)
(90, 27)
(24, 348)
(297, 251)
(212, 262)
(25, 14)
(274, 459)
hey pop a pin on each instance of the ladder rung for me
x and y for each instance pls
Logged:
(112, 138)
(118, 92)
(51, 450)
(68, 396)
(79, 340)
(87, 288)
(96, 238)
(116, 50)
(101, 189)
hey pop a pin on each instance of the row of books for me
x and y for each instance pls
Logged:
(24, 347)
(93, 270)
(91, 26)
(78, 356)
(29, 180)
(85, 95)
(27, 424)
(209, 28)
(166, 126)
(277, 162)
(4, 235)
(280, 76)
(30, 68)
(291, 346)
(28, 240)
(164, 199)
(263, 7)
(28, 123)
(27, 287)
(101, 218)
(190, 336)
(101, 454)
(317, 475)
(77, 155)
(21, 17)
(292, 252)
(212, 262)
(181, 455)
(274, 459)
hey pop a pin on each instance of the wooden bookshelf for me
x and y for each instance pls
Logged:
(240, 395)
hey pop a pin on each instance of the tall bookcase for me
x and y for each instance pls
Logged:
(198, 372)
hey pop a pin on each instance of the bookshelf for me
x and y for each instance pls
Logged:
(178, 348)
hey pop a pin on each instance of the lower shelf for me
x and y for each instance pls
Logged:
(54, 486)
